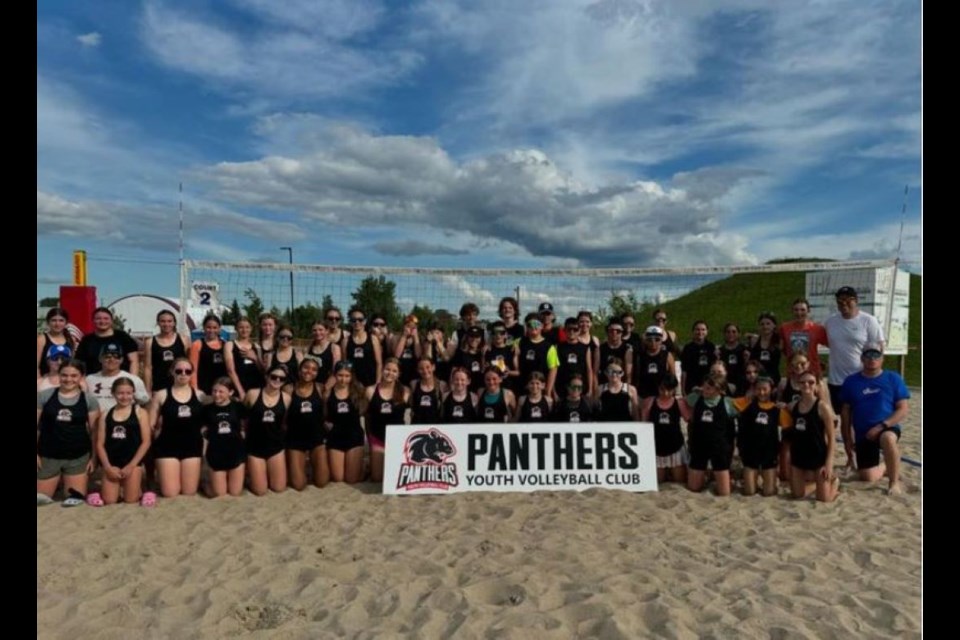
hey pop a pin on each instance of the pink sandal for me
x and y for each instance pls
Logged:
(94, 499)
(148, 499)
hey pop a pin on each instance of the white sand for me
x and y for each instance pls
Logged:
(349, 562)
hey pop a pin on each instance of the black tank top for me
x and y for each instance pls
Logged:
(473, 363)
(305, 415)
(808, 441)
(63, 429)
(667, 436)
(408, 363)
(224, 423)
(573, 359)
(122, 437)
(492, 410)
(533, 357)
(615, 407)
(426, 405)
(735, 360)
(497, 354)
(709, 424)
(248, 371)
(769, 357)
(342, 413)
(581, 412)
(324, 360)
(364, 364)
(535, 411)
(265, 424)
(161, 359)
(293, 370)
(381, 412)
(210, 366)
(648, 370)
(182, 421)
(458, 411)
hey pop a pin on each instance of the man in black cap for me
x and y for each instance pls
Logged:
(552, 334)
(847, 332)
(874, 404)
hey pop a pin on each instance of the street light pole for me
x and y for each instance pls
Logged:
(289, 251)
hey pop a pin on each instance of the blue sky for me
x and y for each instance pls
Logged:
(473, 134)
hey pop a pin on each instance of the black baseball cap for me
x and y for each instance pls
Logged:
(545, 307)
(846, 292)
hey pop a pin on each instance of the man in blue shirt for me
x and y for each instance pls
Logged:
(874, 404)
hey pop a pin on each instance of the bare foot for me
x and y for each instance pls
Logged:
(894, 489)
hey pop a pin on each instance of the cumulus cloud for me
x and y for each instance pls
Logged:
(91, 39)
(519, 196)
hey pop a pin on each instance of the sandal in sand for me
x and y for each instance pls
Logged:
(148, 499)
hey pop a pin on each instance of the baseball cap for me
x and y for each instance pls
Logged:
(474, 332)
(653, 330)
(871, 350)
(846, 292)
(111, 349)
(58, 351)
(545, 307)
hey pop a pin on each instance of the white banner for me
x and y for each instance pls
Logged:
(437, 459)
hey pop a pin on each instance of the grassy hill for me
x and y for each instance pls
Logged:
(740, 298)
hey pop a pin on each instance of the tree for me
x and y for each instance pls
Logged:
(254, 307)
(617, 305)
(303, 318)
(327, 303)
(49, 302)
(378, 295)
(232, 313)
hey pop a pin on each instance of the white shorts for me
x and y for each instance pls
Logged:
(681, 457)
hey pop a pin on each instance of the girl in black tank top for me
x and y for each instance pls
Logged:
(460, 404)
(427, 397)
(122, 442)
(617, 399)
(266, 427)
(180, 422)
(362, 351)
(306, 435)
(534, 407)
(226, 454)
(387, 404)
(206, 355)
(325, 352)
(161, 360)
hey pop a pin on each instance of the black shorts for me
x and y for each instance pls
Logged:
(718, 453)
(305, 441)
(759, 457)
(264, 448)
(180, 448)
(226, 456)
(868, 451)
(345, 439)
(835, 397)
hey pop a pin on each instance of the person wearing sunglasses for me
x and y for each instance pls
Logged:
(333, 318)
(362, 349)
(266, 426)
(345, 403)
(380, 330)
(652, 363)
(324, 352)
(305, 438)
(574, 357)
(100, 384)
(550, 332)
(500, 353)
(734, 356)
(243, 359)
(387, 403)
(630, 335)
(469, 317)
(788, 393)
(535, 353)
(177, 420)
(66, 420)
(574, 406)
(875, 402)
(286, 354)
(585, 335)
(206, 355)
(617, 400)
(160, 350)
(615, 347)
(812, 443)
(665, 411)
(697, 356)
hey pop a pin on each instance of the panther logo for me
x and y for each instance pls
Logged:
(426, 447)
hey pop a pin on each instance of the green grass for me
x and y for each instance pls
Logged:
(740, 298)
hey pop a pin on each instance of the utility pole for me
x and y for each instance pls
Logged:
(289, 251)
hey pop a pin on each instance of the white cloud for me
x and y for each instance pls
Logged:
(302, 52)
(520, 196)
(91, 39)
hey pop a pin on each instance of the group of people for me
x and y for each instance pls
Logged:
(266, 415)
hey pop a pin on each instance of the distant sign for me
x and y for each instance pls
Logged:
(876, 295)
(438, 459)
(205, 295)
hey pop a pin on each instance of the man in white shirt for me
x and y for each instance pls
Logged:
(847, 333)
(100, 384)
